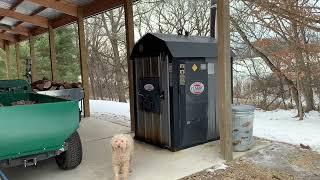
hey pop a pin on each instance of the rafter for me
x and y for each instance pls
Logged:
(14, 6)
(18, 30)
(99, 6)
(40, 9)
(35, 20)
(8, 37)
(62, 6)
(91, 9)
(2, 44)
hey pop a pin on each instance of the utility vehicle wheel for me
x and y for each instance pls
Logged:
(73, 156)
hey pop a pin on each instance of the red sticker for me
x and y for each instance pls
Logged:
(197, 88)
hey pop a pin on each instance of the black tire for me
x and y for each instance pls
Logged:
(80, 112)
(71, 158)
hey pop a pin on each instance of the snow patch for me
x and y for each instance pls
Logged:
(220, 166)
(281, 125)
(110, 107)
(278, 125)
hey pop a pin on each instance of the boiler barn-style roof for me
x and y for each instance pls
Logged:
(20, 19)
(178, 46)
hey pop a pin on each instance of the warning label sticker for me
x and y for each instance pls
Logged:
(194, 67)
(197, 88)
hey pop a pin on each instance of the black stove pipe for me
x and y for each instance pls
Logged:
(213, 13)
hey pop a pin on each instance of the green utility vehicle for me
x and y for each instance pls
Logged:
(35, 127)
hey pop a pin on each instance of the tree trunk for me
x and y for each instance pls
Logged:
(304, 79)
(91, 78)
(119, 76)
(283, 94)
(273, 68)
(113, 36)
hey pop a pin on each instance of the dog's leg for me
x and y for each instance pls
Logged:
(116, 172)
(130, 164)
(125, 171)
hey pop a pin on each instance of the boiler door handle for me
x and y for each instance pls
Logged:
(162, 95)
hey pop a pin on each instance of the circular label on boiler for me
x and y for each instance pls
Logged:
(197, 88)
(148, 87)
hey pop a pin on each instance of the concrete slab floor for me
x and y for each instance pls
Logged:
(149, 161)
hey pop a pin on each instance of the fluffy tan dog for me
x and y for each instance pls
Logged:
(122, 151)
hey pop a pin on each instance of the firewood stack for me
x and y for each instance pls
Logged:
(47, 85)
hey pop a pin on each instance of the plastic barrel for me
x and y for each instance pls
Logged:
(242, 116)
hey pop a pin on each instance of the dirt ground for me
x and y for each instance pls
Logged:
(276, 162)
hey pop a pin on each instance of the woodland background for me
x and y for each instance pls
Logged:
(277, 46)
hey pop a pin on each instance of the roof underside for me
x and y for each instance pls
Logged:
(178, 46)
(20, 19)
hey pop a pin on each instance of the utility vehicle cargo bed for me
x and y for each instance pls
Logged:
(36, 128)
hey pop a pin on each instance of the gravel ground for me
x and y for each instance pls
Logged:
(276, 162)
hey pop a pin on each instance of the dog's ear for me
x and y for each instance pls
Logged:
(112, 142)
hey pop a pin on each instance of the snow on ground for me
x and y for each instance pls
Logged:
(279, 125)
(110, 107)
(218, 166)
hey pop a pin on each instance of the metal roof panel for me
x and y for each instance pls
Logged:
(6, 4)
(8, 21)
(50, 13)
(27, 7)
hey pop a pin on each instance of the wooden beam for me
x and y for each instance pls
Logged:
(224, 79)
(17, 47)
(84, 63)
(97, 6)
(100, 6)
(40, 9)
(16, 4)
(2, 44)
(62, 21)
(62, 6)
(8, 37)
(7, 51)
(53, 55)
(21, 30)
(35, 20)
(128, 7)
(33, 59)
(65, 20)
(18, 30)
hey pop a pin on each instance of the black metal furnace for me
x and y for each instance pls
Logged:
(175, 87)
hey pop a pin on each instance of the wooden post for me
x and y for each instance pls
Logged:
(128, 7)
(53, 55)
(84, 63)
(17, 46)
(7, 50)
(33, 59)
(224, 79)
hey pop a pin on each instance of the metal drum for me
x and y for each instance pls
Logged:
(242, 116)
